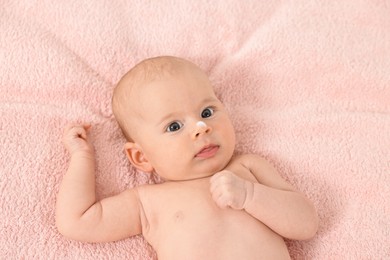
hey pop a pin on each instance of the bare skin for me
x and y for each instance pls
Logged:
(212, 205)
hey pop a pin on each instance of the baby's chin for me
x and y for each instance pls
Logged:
(204, 171)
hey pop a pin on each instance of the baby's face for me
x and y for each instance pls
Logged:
(168, 129)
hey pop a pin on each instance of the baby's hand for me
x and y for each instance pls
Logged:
(75, 139)
(229, 190)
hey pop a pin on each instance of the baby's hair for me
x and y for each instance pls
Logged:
(144, 72)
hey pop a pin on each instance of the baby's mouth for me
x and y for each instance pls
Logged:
(208, 151)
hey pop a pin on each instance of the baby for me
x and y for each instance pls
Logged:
(211, 205)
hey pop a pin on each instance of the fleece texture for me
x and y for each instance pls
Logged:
(307, 84)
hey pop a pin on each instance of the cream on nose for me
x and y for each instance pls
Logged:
(201, 124)
(201, 128)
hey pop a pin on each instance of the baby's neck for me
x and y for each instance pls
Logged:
(200, 179)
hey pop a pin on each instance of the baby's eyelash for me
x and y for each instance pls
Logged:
(174, 126)
(208, 112)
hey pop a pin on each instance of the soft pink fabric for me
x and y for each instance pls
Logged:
(307, 84)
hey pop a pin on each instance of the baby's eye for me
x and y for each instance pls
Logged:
(174, 126)
(207, 112)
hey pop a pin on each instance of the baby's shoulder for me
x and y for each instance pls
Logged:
(148, 188)
(149, 192)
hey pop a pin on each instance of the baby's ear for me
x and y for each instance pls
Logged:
(137, 157)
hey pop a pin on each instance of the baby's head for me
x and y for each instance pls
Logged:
(173, 122)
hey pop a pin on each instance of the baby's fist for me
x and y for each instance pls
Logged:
(229, 190)
(75, 139)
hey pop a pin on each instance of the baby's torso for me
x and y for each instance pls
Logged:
(181, 221)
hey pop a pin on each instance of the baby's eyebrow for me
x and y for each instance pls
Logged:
(173, 114)
(166, 117)
(208, 100)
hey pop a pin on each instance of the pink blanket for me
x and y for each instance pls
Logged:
(307, 84)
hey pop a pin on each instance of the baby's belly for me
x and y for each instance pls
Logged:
(204, 231)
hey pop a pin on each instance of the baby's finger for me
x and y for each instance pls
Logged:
(223, 201)
(76, 132)
(215, 180)
(215, 185)
(81, 132)
(87, 126)
(218, 199)
(68, 127)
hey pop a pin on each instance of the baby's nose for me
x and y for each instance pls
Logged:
(200, 129)
(201, 124)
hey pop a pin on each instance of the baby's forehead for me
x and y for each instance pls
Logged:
(156, 69)
(149, 71)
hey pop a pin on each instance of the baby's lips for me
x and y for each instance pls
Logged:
(207, 151)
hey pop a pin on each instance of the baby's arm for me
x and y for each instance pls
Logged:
(271, 200)
(79, 215)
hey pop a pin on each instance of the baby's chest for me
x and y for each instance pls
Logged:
(191, 215)
(181, 207)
